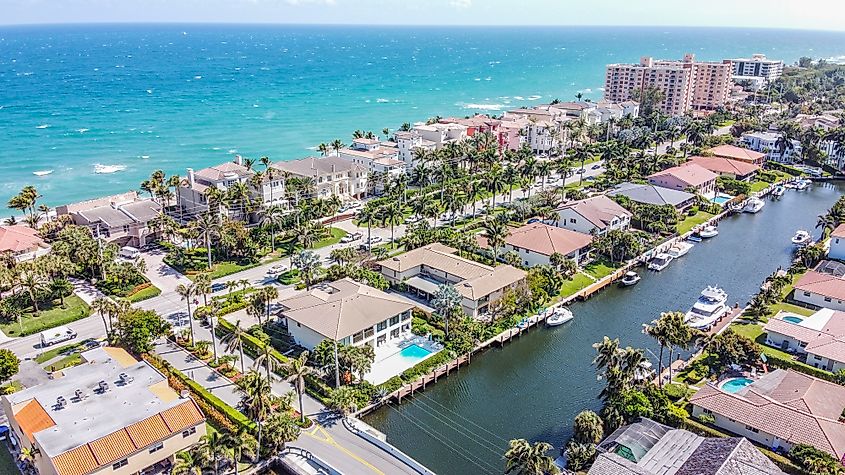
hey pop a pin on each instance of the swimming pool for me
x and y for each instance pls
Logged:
(735, 384)
(722, 199)
(792, 319)
(414, 352)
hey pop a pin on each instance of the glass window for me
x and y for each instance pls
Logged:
(368, 332)
(358, 337)
(394, 320)
(192, 430)
(406, 315)
(157, 447)
(117, 465)
(381, 326)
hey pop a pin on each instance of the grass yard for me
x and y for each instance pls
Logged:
(690, 222)
(144, 294)
(759, 186)
(66, 362)
(54, 352)
(48, 318)
(335, 238)
(788, 307)
(576, 283)
(599, 269)
(755, 332)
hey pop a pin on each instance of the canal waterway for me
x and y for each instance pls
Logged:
(534, 387)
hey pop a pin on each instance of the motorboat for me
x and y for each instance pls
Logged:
(736, 207)
(42, 172)
(802, 238)
(710, 306)
(560, 316)
(778, 191)
(694, 238)
(754, 205)
(660, 262)
(801, 185)
(630, 278)
(709, 231)
(679, 249)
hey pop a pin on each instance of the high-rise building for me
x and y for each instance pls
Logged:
(686, 84)
(757, 66)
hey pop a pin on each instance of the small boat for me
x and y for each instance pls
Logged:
(778, 191)
(679, 249)
(801, 185)
(736, 207)
(801, 238)
(42, 172)
(708, 232)
(522, 323)
(630, 278)
(754, 205)
(694, 238)
(660, 262)
(710, 306)
(560, 316)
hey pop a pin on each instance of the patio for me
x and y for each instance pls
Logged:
(395, 356)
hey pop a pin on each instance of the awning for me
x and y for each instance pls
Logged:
(427, 286)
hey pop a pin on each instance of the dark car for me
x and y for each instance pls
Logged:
(581, 171)
(533, 220)
(218, 287)
(596, 166)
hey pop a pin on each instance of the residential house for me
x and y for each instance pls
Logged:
(654, 195)
(331, 175)
(424, 269)
(595, 216)
(737, 169)
(193, 191)
(123, 219)
(408, 143)
(347, 312)
(685, 178)
(441, 134)
(827, 120)
(542, 126)
(738, 153)
(779, 410)
(535, 243)
(767, 143)
(504, 132)
(22, 242)
(109, 415)
(837, 243)
(381, 161)
(823, 286)
(821, 337)
(646, 447)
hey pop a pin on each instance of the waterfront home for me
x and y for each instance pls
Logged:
(331, 175)
(738, 153)
(688, 177)
(757, 66)
(377, 158)
(781, 409)
(737, 169)
(596, 215)
(408, 143)
(347, 312)
(822, 287)
(535, 243)
(767, 143)
(424, 269)
(441, 134)
(193, 190)
(22, 242)
(647, 447)
(654, 195)
(821, 337)
(504, 132)
(109, 415)
(122, 219)
(837, 243)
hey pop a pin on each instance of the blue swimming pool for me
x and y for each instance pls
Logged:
(414, 352)
(735, 384)
(721, 199)
(792, 319)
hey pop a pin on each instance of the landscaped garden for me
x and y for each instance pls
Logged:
(50, 315)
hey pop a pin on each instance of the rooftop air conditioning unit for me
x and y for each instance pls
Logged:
(80, 394)
(103, 386)
(61, 402)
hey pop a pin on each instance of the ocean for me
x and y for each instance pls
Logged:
(124, 100)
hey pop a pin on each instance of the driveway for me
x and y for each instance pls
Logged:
(160, 274)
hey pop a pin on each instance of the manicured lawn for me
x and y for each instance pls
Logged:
(759, 186)
(66, 362)
(573, 285)
(54, 352)
(755, 332)
(788, 307)
(599, 269)
(690, 222)
(337, 234)
(74, 309)
(144, 294)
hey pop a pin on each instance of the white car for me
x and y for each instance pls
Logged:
(277, 269)
(413, 219)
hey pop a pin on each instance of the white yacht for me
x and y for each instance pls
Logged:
(679, 249)
(802, 238)
(711, 304)
(560, 316)
(754, 205)
(708, 231)
(802, 184)
(630, 278)
(660, 262)
(778, 191)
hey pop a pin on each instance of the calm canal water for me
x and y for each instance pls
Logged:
(534, 387)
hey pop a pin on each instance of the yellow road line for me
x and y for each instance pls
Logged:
(320, 434)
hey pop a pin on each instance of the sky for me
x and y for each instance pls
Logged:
(800, 14)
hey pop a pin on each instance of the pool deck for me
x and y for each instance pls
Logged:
(388, 363)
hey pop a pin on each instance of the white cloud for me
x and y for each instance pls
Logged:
(460, 4)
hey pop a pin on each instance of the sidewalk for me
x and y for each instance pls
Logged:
(200, 372)
(87, 292)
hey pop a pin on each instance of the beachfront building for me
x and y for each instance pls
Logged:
(687, 177)
(781, 409)
(22, 242)
(820, 337)
(654, 195)
(822, 287)
(536, 243)
(837, 243)
(606, 111)
(542, 129)
(647, 447)
(686, 84)
(504, 132)
(739, 170)
(347, 312)
(424, 269)
(409, 144)
(123, 219)
(194, 189)
(109, 415)
(757, 66)
(738, 153)
(381, 160)
(331, 175)
(595, 216)
(767, 144)
(441, 134)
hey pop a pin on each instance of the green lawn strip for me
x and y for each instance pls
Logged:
(599, 269)
(66, 362)
(54, 352)
(144, 294)
(75, 308)
(576, 283)
(759, 186)
(690, 222)
(755, 332)
(335, 238)
(788, 307)
(4, 389)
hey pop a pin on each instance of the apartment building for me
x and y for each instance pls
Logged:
(441, 134)
(758, 66)
(375, 156)
(408, 142)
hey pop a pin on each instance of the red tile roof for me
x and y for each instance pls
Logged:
(822, 284)
(78, 461)
(839, 231)
(32, 418)
(725, 165)
(19, 238)
(738, 153)
(690, 174)
(547, 240)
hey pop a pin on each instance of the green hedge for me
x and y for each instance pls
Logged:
(426, 366)
(143, 292)
(252, 345)
(233, 414)
(778, 361)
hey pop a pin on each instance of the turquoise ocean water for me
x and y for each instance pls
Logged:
(173, 96)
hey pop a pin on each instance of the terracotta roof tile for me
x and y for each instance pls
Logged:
(114, 446)
(149, 430)
(19, 238)
(823, 284)
(547, 240)
(725, 165)
(738, 153)
(839, 231)
(78, 461)
(690, 174)
(33, 418)
(184, 415)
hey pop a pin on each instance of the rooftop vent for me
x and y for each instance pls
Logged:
(103, 386)
(61, 402)
(80, 394)
(125, 378)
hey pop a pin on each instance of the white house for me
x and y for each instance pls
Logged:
(536, 243)
(820, 336)
(766, 142)
(596, 216)
(408, 142)
(837, 243)
(822, 287)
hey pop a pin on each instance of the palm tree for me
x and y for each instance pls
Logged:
(494, 182)
(607, 354)
(343, 400)
(206, 225)
(391, 214)
(234, 340)
(216, 446)
(188, 292)
(446, 300)
(297, 369)
(267, 357)
(103, 306)
(240, 442)
(659, 330)
(680, 334)
(308, 262)
(368, 215)
(524, 458)
(496, 233)
(34, 283)
(256, 400)
(336, 145)
(190, 462)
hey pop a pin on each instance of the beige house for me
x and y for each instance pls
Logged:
(193, 191)
(821, 337)
(424, 269)
(595, 215)
(123, 219)
(332, 175)
(536, 243)
(22, 242)
(738, 153)
(347, 312)
(109, 415)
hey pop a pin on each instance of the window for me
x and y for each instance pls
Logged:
(406, 316)
(157, 447)
(827, 299)
(122, 463)
(368, 332)
(192, 430)
(358, 337)
(806, 294)
(394, 320)
(572, 220)
(381, 326)
(752, 429)
(817, 357)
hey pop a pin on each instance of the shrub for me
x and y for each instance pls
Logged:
(392, 384)
(778, 361)
(676, 391)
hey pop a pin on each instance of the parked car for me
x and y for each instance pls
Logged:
(56, 335)
(581, 171)
(533, 220)
(373, 240)
(596, 166)
(351, 237)
(277, 269)
(218, 287)
(413, 219)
